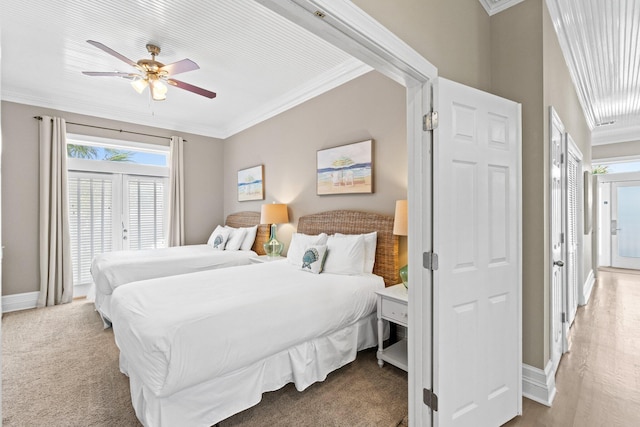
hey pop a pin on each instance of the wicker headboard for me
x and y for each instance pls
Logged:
(249, 219)
(355, 222)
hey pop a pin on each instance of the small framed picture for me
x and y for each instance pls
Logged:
(251, 183)
(345, 169)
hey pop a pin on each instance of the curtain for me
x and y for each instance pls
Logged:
(176, 193)
(56, 274)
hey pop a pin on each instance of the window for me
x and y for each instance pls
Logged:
(117, 199)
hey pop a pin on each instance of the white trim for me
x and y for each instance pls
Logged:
(539, 385)
(587, 287)
(97, 141)
(495, 6)
(18, 302)
(81, 290)
(614, 134)
(619, 159)
(619, 177)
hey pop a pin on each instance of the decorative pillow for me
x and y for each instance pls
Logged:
(299, 243)
(249, 238)
(219, 238)
(370, 244)
(236, 238)
(313, 258)
(346, 255)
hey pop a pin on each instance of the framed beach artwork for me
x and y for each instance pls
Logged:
(251, 183)
(346, 169)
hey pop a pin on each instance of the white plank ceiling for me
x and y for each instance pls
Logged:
(260, 64)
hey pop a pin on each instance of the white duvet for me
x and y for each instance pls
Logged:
(176, 332)
(112, 269)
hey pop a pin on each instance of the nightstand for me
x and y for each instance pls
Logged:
(393, 307)
(264, 258)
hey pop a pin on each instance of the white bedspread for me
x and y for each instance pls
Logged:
(112, 269)
(176, 332)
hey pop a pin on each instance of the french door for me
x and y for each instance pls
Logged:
(625, 224)
(109, 211)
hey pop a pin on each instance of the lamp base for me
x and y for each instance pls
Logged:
(404, 275)
(273, 247)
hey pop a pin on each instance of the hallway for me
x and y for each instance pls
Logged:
(598, 381)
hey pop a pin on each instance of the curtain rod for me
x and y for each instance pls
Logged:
(116, 130)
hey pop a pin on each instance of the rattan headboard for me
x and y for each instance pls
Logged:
(249, 219)
(355, 222)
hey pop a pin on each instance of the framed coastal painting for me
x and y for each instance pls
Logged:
(346, 169)
(251, 183)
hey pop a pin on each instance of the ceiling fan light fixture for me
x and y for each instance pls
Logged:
(158, 90)
(139, 84)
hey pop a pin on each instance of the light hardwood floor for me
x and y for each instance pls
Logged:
(598, 380)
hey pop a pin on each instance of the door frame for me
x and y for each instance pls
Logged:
(573, 150)
(349, 28)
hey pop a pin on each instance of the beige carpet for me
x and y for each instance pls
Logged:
(60, 368)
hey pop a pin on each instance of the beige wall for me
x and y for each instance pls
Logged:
(528, 67)
(453, 34)
(369, 107)
(20, 169)
(517, 64)
(622, 149)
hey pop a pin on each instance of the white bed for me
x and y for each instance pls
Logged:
(113, 269)
(201, 347)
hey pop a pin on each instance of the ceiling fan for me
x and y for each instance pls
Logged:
(152, 73)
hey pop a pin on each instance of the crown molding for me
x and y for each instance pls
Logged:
(495, 6)
(613, 135)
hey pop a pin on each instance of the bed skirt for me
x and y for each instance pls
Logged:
(216, 399)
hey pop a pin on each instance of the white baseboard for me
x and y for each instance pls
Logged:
(587, 287)
(19, 301)
(539, 385)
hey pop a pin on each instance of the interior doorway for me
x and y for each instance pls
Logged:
(619, 220)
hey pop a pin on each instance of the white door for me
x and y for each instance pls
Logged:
(556, 149)
(625, 224)
(574, 230)
(477, 286)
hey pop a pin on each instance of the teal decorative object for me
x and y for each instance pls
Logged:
(309, 257)
(404, 275)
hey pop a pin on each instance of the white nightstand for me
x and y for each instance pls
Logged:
(264, 258)
(393, 306)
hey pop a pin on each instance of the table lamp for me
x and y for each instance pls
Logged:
(275, 213)
(401, 228)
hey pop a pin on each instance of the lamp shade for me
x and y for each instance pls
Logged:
(400, 220)
(275, 213)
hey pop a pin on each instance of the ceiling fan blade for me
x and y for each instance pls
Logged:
(112, 52)
(192, 88)
(180, 67)
(109, 74)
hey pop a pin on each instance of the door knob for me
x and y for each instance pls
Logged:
(559, 263)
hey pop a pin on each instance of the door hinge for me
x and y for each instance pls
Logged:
(430, 121)
(561, 237)
(430, 260)
(562, 158)
(564, 317)
(430, 399)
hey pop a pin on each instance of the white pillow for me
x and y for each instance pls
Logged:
(299, 243)
(249, 238)
(313, 258)
(236, 238)
(370, 243)
(346, 255)
(219, 238)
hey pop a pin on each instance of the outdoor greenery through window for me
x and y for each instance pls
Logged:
(117, 199)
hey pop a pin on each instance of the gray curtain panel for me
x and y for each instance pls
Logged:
(176, 193)
(56, 272)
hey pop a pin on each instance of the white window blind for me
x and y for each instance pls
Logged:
(146, 207)
(90, 220)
